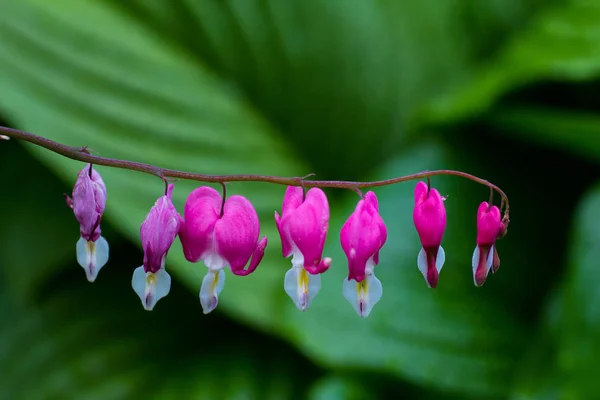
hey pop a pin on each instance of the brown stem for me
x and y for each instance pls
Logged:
(224, 198)
(82, 154)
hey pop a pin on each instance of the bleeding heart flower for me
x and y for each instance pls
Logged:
(151, 281)
(489, 228)
(429, 216)
(88, 203)
(303, 228)
(362, 237)
(222, 235)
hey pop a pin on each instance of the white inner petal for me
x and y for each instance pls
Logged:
(211, 257)
(92, 256)
(422, 263)
(297, 257)
(150, 287)
(364, 295)
(101, 253)
(138, 282)
(212, 285)
(214, 261)
(162, 281)
(441, 258)
(490, 260)
(350, 292)
(301, 286)
(373, 294)
(82, 253)
(475, 259)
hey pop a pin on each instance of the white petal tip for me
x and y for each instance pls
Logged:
(212, 285)
(363, 295)
(301, 286)
(150, 287)
(209, 305)
(92, 256)
(91, 274)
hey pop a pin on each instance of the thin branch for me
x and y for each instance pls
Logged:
(82, 154)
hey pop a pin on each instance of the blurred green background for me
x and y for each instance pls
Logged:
(347, 89)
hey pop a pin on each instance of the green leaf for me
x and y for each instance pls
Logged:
(72, 344)
(133, 92)
(575, 132)
(321, 72)
(561, 362)
(560, 44)
(340, 387)
(537, 376)
(155, 105)
(88, 73)
(456, 337)
(580, 323)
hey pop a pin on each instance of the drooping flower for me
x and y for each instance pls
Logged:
(222, 235)
(303, 228)
(362, 237)
(88, 203)
(429, 217)
(489, 228)
(151, 282)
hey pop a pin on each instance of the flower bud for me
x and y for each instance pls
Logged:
(489, 228)
(88, 203)
(151, 281)
(429, 217)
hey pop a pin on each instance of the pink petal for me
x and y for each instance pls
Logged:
(201, 212)
(286, 242)
(489, 224)
(257, 255)
(99, 191)
(429, 216)
(482, 263)
(158, 231)
(420, 192)
(236, 233)
(308, 227)
(321, 267)
(291, 200)
(362, 236)
(88, 202)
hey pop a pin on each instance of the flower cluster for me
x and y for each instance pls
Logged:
(429, 216)
(224, 233)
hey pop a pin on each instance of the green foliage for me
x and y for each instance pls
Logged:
(349, 90)
(560, 44)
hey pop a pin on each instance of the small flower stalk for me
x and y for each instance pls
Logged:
(303, 226)
(223, 234)
(88, 202)
(362, 237)
(151, 282)
(429, 217)
(490, 227)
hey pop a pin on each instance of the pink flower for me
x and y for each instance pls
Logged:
(88, 203)
(362, 236)
(489, 228)
(221, 236)
(151, 281)
(429, 216)
(303, 228)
